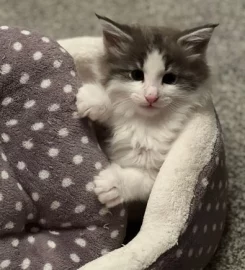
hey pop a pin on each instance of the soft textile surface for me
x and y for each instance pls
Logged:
(49, 218)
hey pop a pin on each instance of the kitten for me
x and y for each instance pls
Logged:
(154, 80)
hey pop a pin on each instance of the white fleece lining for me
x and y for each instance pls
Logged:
(169, 204)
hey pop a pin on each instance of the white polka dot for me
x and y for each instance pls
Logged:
(104, 211)
(45, 39)
(54, 232)
(92, 227)
(77, 159)
(220, 184)
(81, 242)
(1, 196)
(179, 253)
(57, 63)
(25, 32)
(122, 213)
(205, 228)
(35, 196)
(200, 251)
(209, 249)
(29, 104)
(18, 206)
(17, 46)
(209, 207)
(31, 239)
(221, 225)
(217, 206)
(3, 156)
(204, 182)
(51, 244)
(195, 228)
(90, 186)
(37, 126)
(98, 165)
(4, 175)
(53, 107)
(25, 264)
(66, 225)
(42, 221)
(5, 69)
(43, 174)
(67, 88)
(75, 115)
(21, 165)
(4, 27)
(104, 251)
(5, 137)
(66, 182)
(84, 140)
(35, 229)
(27, 144)
(114, 234)
(24, 78)
(7, 101)
(45, 83)
(55, 205)
(30, 216)
(73, 74)
(53, 152)
(190, 252)
(19, 186)
(214, 227)
(9, 225)
(15, 242)
(74, 258)
(37, 56)
(80, 208)
(217, 160)
(5, 264)
(11, 122)
(63, 132)
(48, 266)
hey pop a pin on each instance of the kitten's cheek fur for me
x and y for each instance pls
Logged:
(93, 102)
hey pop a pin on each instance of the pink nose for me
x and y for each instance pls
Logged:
(151, 99)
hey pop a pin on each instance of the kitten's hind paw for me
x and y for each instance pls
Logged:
(107, 188)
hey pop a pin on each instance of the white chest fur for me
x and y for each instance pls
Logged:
(141, 144)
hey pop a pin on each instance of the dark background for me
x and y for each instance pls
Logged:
(68, 18)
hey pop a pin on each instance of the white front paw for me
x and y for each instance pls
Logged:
(108, 188)
(93, 102)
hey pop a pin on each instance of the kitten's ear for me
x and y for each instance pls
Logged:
(115, 35)
(195, 41)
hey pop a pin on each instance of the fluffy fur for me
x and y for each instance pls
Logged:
(145, 113)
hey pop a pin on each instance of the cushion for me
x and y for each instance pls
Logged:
(186, 211)
(49, 218)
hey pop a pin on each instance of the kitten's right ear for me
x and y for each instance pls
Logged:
(115, 35)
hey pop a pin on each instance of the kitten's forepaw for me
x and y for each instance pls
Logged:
(93, 102)
(108, 188)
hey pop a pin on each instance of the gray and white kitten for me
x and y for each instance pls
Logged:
(149, 83)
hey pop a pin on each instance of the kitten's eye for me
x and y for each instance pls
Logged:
(137, 75)
(169, 78)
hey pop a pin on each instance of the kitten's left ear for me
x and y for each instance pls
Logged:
(115, 35)
(195, 41)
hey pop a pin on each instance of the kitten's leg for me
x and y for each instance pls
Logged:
(93, 102)
(115, 185)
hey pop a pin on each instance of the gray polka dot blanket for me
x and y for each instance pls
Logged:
(49, 216)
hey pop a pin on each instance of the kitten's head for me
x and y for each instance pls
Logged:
(153, 68)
